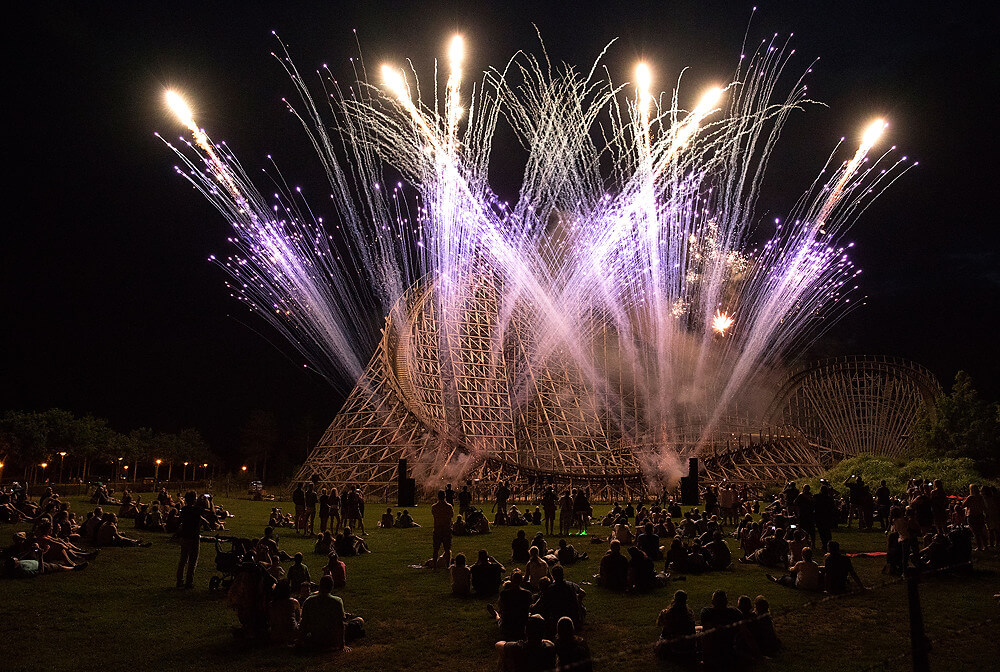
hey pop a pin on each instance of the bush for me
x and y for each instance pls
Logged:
(955, 473)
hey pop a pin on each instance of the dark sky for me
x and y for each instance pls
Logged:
(111, 307)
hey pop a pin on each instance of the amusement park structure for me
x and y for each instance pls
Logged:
(462, 405)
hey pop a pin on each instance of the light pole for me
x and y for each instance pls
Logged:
(156, 476)
(1, 472)
(43, 465)
(125, 475)
(118, 472)
(62, 458)
(185, 477)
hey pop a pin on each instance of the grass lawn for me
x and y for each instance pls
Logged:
(123, 612)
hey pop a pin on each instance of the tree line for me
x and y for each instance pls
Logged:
(57, 445)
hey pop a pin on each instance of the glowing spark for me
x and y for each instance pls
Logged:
(721, 322)
(453, 107)
(396, 83)
(183, 112)
(868, 140)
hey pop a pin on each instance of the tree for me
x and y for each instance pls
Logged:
(961, 425)
(259, 438)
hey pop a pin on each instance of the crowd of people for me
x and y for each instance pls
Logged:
(539, 614)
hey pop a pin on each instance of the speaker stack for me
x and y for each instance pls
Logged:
(689, 484)
(407, 487)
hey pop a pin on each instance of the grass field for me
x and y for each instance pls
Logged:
(123, 612)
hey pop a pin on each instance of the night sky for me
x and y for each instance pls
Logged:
(112, 308)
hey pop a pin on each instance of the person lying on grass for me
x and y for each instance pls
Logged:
(58, 550)
(30, 567)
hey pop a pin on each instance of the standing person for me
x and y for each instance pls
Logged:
(826, 515)
(360, 499)
(549, 505)
(324, 509)
(311, 500)
(975, 513)
(502, 494)
(334, 510)
(565, 514)
(189, 532)
(581, 510)
(442, 513)
(883, 504)
(299, 500)
(806, 505)
(464, 501)
(449, 495)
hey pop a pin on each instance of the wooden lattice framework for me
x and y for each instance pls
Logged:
(857, 405)
(469, 399)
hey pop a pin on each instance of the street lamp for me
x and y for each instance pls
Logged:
(204, 474)
(156, 476)
(44, 465)
(125, 475)
(1, 472)
(62, 458)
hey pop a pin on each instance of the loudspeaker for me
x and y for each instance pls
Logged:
(406, 487)
(689, 484)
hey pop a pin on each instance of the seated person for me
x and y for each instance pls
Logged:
(324, 543)
(837, 569)
(269, 542)
(108, 534)
(514, 517)
(405, 520)
(154, 520)
(718, 549)
(324, 623)
(337, 570)
(560, 598)
(539, 541)
(347, 544)
(512, 607)
(719, 639)
(567, 555)
(486, 574)
(298, 574)
(387, 521)
(519, 548)
(535, 569)
(461, 577)
(762, 627)
(641, 576)
(676, 624)
(676, 558)
(283, 615)
(614, 568)
(804, 574)
(649, 542)
(624, 534)
(572, 651)
(459, 527)
(536, 516)
(531, 654)
(275, 519)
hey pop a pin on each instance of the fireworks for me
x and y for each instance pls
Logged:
(643, 236)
